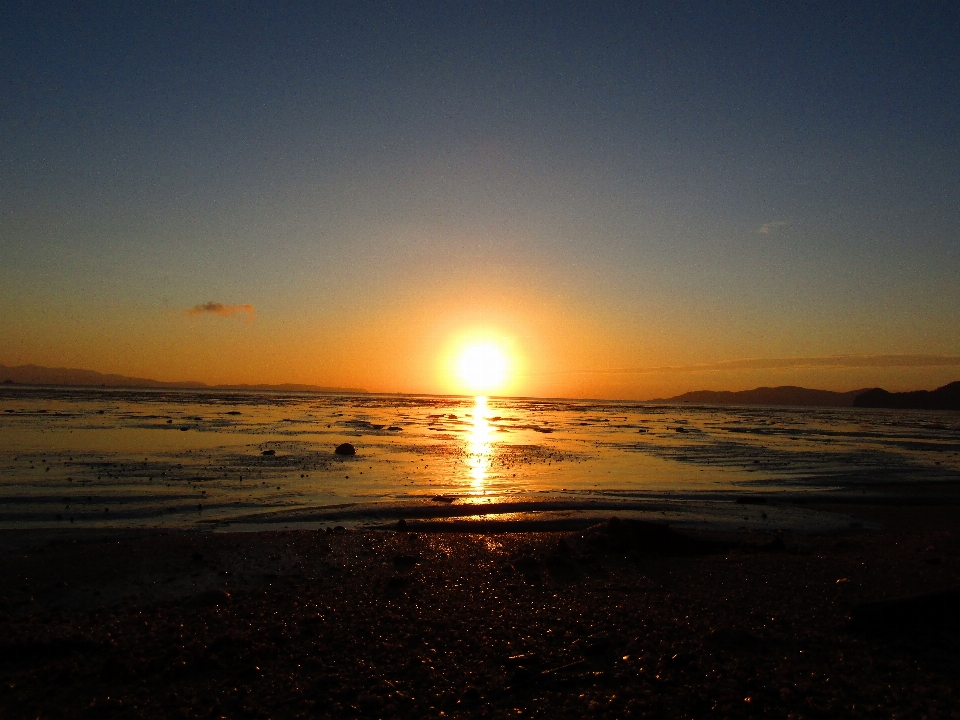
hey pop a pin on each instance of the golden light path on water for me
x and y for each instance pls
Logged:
(479, 445)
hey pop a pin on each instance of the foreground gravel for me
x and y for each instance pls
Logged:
(618, 620)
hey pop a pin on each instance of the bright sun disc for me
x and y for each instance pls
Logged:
(482, 367)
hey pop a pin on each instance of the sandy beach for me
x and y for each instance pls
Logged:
(616, 620)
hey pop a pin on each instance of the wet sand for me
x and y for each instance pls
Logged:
(614, 620)
(102, 459)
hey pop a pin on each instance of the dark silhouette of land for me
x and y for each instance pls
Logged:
(39, 375)
(943, 398)
(783, 395)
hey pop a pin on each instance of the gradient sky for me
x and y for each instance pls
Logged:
(635, 199)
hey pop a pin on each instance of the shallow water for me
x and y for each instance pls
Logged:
(145, 458)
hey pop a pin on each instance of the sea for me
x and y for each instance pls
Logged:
(73, 458)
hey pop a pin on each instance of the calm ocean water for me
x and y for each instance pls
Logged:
(194, 459)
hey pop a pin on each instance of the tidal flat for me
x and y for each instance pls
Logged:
(91, 457)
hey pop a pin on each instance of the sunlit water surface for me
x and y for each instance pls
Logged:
(141, 458)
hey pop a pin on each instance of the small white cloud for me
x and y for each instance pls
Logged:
(769, 227)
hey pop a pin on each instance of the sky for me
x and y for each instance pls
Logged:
(631, 200)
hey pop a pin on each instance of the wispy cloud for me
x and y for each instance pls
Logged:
(769, 227)
(215, 308)
(795, 363)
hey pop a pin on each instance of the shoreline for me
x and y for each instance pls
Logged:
(617, 619)
(261, 463)
(786, 510)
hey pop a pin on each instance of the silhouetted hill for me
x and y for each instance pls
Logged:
(39, 375)
(783, 395)
(943, 398)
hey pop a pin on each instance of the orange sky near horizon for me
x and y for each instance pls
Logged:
(558, 348)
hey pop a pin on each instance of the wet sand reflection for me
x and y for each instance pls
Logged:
(479, 447)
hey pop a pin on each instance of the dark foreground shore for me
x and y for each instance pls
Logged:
(617, 620)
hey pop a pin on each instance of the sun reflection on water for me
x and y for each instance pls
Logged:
(479, 442)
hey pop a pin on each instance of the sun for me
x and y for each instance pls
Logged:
(482, 368)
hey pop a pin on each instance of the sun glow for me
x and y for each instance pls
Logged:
(482, 368)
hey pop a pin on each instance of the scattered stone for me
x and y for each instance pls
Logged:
(661, 637)
(269, 452)
(443, 499)
(345, 449)
(638, 536)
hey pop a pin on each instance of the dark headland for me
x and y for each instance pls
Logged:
(783, 395)
(77, 377)
(944, 398)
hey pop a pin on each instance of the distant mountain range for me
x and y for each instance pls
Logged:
(39, 375)
(783, 395)
(945, 398)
